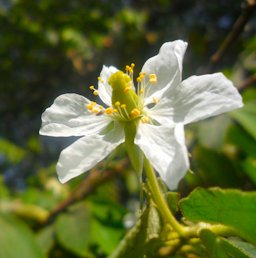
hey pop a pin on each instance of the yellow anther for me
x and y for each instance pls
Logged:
(135, 112)
(127, 88)
(127, 68)
(90, 106)
(91, 87)
(132, 65)
(101, 80)
(95, 93)
(109, 110)
(155, 100)
(152, 78)
(145, 119)
(95, 110)
(117, 104)
(139, 79)
(141, 91)
(100, 107)
(123, 106)
(115, 110)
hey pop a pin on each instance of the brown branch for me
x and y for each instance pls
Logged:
(247, 83)
(234, 33)
(87, 186)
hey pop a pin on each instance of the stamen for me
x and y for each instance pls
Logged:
(135, 112)
(117, 104)
(91, 105)
(95, 93)
(123, 107)
(152, 78)
(145, 119)
(91, 87)
(101, 80)
(109, 111)
(127, 88)
(95, 110)
(155, 100)
(139, 79)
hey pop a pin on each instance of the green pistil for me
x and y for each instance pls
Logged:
(122, 92)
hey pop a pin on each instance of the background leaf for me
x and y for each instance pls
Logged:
(16, 240)
(244, 117)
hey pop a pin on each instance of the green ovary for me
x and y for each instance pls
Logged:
(123, 94)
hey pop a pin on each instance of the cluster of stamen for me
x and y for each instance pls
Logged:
(122, 111)
(94, 91)
(129, 68)
(94, 107)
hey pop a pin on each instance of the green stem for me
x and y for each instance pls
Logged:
(160, 200)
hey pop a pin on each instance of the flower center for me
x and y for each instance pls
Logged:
(124, 98)
(127, 103)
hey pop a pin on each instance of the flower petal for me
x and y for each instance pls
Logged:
(86, 152)
(165, 148)
(199, 97)
(68, 116)
(167, 66)
(162, 112)
(105, 90)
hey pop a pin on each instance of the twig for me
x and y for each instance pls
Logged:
(87, 186)
(248, 82)
(234, 33)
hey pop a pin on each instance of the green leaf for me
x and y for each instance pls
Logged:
(249, 166)
(45, 238)
(211, 133)
(246, 117)
(17, 240)
(145, 231)
(213, 244)
(236, 135)
(11, 151)
(233, 208)
(239, 248)
(215, 168)
(226, 248)
(73, 231)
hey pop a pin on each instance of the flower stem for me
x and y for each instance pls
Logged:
(160, 200)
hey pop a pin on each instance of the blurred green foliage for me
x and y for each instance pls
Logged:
(52, 47)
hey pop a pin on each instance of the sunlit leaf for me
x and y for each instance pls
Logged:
(233, 208)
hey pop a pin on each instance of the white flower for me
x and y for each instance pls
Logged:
(160, 106)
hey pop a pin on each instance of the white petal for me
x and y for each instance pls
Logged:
(68, 116)
(167, 66)
(162, 112)
(165, 148)
(199, 97)
(86, 152)
(105, 90)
